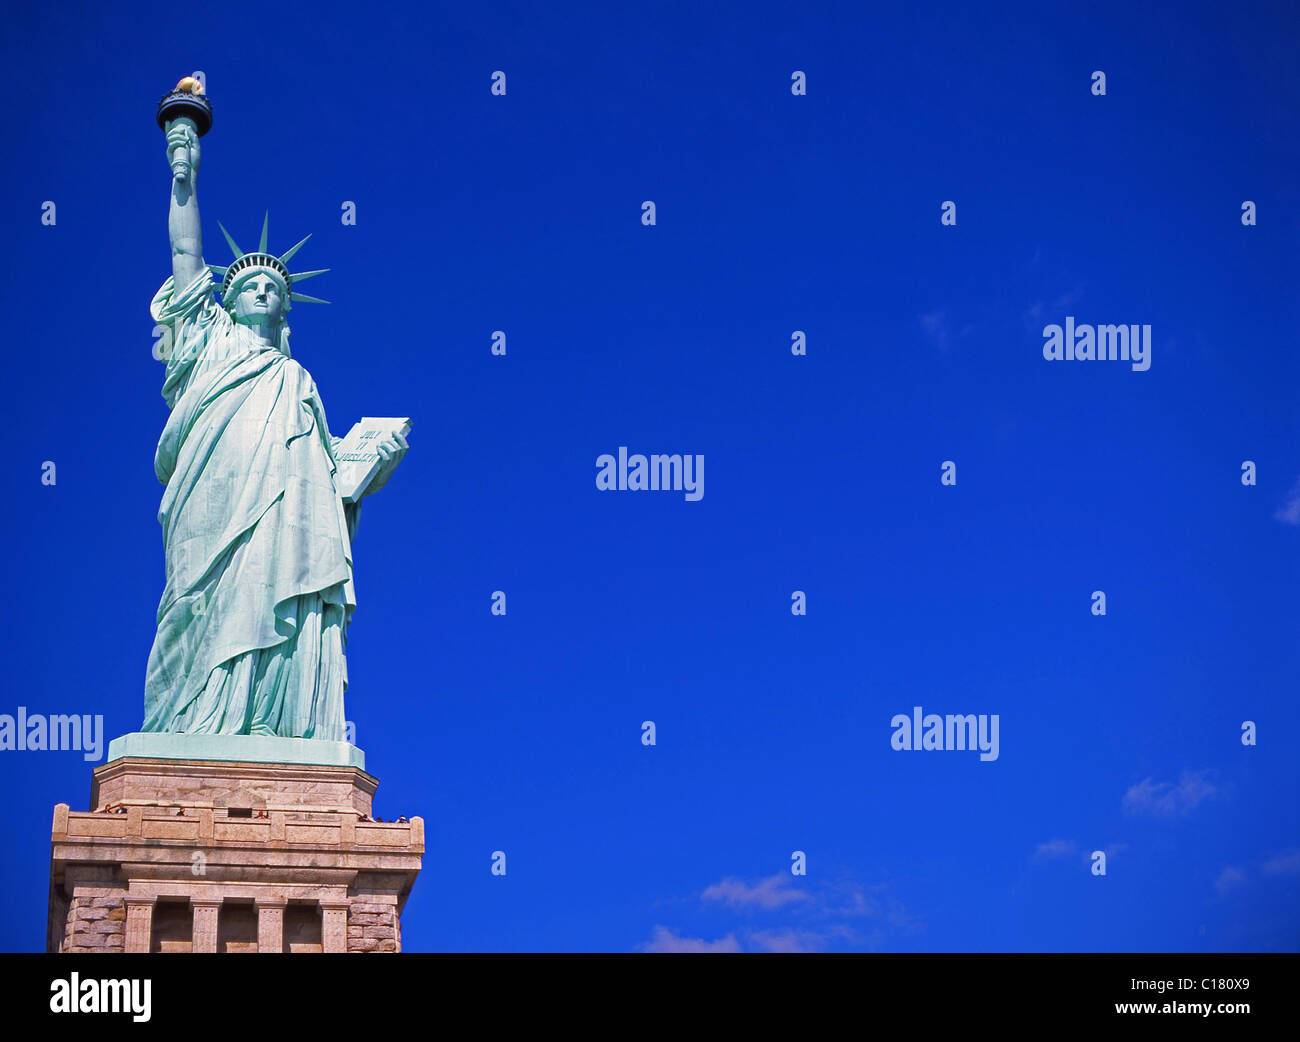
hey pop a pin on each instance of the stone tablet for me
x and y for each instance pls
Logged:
(358, 462)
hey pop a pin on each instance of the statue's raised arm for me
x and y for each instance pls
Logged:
(183, 216)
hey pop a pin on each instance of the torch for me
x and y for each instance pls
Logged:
(185, 104)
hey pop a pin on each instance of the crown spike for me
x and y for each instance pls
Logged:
(285, 258)
(237, 251)
(261, 258)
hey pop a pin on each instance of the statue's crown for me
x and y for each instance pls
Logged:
(264, 261)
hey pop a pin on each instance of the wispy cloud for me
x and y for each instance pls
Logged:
(939, 330)
(772, 892)
(810, 917)
(1229, 878)
(935, 324)
(787, 940)
(1289, 512)
(1167, 800)
(850, 901)
(1287, 863)
(664, 940)
(1054, 848)
(1053, 310)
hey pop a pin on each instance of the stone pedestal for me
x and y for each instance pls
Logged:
(223, 856)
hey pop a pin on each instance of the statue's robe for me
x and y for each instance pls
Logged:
(253, 621)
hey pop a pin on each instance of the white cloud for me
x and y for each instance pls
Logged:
(935, 324)
(1054, 310)
(851, 902)
(787, 940)
(772, 892)
(1289, 512)
(1286, 863)
(795, 916)
(1054, 848)
(1230, 877)
(664, 940)
(1167, 800)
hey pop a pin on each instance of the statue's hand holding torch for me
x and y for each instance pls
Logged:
(182, 148)
(185, 115)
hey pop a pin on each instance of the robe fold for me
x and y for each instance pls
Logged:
(258, 544)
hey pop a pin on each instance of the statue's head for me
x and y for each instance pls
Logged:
(258, 297)
(257, 287)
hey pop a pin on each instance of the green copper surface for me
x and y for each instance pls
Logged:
(248, 659)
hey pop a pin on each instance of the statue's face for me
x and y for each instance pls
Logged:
(259, 302)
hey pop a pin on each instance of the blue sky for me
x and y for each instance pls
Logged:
(775, 213)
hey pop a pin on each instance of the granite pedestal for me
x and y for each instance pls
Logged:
(193, 855)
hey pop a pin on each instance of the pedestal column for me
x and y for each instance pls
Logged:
(206, 912)
(334, 927)
(139, 924)
(270, 924)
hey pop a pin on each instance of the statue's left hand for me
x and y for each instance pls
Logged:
(391, 450)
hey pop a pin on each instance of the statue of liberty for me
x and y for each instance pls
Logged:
(253, 621)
